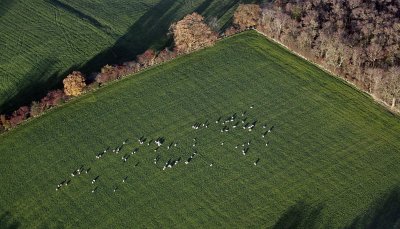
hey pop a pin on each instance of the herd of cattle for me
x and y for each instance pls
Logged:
(225, 125)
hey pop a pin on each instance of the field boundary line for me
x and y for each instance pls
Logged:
(375, 99)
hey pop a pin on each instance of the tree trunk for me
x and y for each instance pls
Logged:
(393, 102)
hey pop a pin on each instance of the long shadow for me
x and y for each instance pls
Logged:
(5, 6)
(385, 213)
(39, 81)
(149, 31)
(8, 222)
(106, 29)
(300, 215)
(220, 10)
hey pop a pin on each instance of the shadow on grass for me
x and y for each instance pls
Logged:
(107, 30)
(5, 6)
(144, 33)
(38, 82)
(8, 222)
(385, 213)
(210, 8)
(148, 31)
(300, 215)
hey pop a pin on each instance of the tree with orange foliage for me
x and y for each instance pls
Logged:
(192, 33)
(74, 84)
(5, 122)
(247, 16)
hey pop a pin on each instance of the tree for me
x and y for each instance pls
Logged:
(374, 52)
(164, 55)
(147, 58)
(5, 122)
(192, 33)
(107, 73)
(53, 98)
(247, 16)
(358, 39)
(36, 109)
(393, 84)
(230, 31)
(19, 116)
(74, 84)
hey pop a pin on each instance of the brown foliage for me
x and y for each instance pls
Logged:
(147, 58)
(36, 109)
(19, 116)
(192, 33)
(107, 73)
(53, 98)
(357, 39)
(231, 31)
(74, 84)
(247, 16)
(5, 122)
(131, 67)
(165, 55)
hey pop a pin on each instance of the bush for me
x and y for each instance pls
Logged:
(131, 67)
(192, 33)
(5, 122)
(147, 58)
(19, 116)
(74, 84)
(36, 109)
(53, 98)
(231, 31)
(93, 86)
(107, 73)
(165, 55)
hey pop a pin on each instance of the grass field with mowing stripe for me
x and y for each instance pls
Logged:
(331, 156)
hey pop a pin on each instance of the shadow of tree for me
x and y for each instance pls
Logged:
(385, 213)
(149, 31)
(300, 215)
(8, 222)
(5, 6)
(39, 81)
(105, 29)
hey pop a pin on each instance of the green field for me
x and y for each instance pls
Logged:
(41, 41)
(333, 154)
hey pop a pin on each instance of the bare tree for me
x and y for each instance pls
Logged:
(393, 84)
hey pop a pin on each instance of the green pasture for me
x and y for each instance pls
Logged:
(332, 160)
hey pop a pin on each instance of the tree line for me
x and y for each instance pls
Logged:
(189, 34)
(358, 40)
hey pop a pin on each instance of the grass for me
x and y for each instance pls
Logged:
(332, 155)
(53, 37)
